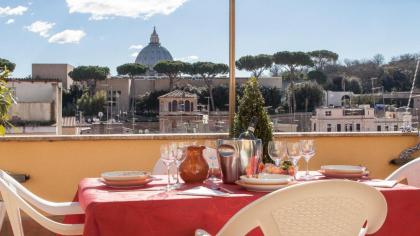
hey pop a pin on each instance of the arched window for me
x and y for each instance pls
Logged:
(169, 106)
(174, 105)
(187, 106)
(192, 106)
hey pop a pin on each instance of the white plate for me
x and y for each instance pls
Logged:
(267, 179)
(125, 175)
(123, 184)
(344, 168)
(263, 187)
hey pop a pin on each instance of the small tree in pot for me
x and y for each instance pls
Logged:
(251, 105)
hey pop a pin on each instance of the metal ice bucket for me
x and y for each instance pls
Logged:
(227, 152)
(250, 153)
(238, 157)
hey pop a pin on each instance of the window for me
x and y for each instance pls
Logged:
(327, 113)
(351, 127)
(395, 127)
(338, 127)
(314, 126)
(378, 128)
(187, 106)
(358, 127)
(174, 105)
(386, 128)
(328, 127)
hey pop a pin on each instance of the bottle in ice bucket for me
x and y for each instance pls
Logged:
(249, 133)
(250, 150)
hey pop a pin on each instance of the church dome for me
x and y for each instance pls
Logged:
(153, 53)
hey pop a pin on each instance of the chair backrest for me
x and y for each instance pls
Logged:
(410, 171)
(53, 208)
(14, 203)
(330, 207)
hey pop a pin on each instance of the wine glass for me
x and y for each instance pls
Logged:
(308, 151)
(180, 155)
(210, 154)
(167, 159)
(277, 151)
(294, 152)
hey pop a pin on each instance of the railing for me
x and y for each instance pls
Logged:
(56, 164)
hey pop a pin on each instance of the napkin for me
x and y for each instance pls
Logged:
(381, 183)
(203, 191)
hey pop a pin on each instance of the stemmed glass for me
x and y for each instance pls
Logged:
(210, 153)
(277, 151)
(294, 152)
(167, 158)
(180, 155)
(308, 151)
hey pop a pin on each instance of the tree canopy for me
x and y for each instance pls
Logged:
(4, 63)
(91, 105)
(6, 101)
(321, 58)
(255, 64)
(172, 69)
(293, 61)
(84, 73)
(317, 76)
(89, 74)
(208, 71)
(309, 95)
(131, 69)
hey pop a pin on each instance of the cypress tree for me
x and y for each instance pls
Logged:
(251, 105)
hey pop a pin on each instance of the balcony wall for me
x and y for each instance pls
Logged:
(56, 164)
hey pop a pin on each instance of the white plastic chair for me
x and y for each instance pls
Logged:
(409, 171)
(16, 197)
(330, 207)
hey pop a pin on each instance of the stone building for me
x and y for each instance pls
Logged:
(53, 71)
(37, 101)
(178, 112)
(361, 119)
(153, 53)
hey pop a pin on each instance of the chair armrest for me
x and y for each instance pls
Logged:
(62, 208)
(362, 231)
(201, 232)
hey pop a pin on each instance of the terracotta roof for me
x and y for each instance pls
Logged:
(179, 94)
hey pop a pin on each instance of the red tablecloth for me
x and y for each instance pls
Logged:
(138, 212)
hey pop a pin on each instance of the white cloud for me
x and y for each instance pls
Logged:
(15, 11)
(187, 59)
(104, 9)
(136, 47)
(67, 36)
(10, 21)
(41, 27)
(134, 54)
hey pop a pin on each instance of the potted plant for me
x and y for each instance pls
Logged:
(6, 100)
(251, 105)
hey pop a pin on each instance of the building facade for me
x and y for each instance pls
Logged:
(53, 71)
(37, 101)
(360, 119)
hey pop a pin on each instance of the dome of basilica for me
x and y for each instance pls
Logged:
(153, 53)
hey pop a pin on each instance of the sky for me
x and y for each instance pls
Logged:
(111, 32)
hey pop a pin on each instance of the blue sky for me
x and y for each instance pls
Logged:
(84, 32)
